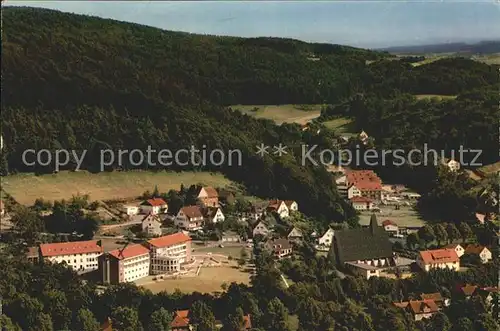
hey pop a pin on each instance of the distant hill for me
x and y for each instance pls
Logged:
(483, 47)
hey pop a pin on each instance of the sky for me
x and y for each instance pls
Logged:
(367, 24)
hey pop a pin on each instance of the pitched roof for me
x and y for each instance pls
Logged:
(445, 255)
(362, 244)
(361, 200)
(247, 322)
(468, 289)
(210, 211)
(280, 244)
(364, 180)
(388, 222)
(129, 252)
(274, 204)
(181, 319)
(420, 306)
(211, 192)
(155, 202)
(192, 211)
(68, 248)
(474, 249)
(289, 203)
(172, 239)
(151, 217)
(432, 296)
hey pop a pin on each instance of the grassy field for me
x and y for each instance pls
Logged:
(341, 125)
(233, 251)
(208, 281)
(406, 216)
(25, 188)
(439, 96)
(300, 114)
(487, 58)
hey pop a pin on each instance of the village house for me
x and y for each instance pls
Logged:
(168, 253)
(230, 237)
(363, 137)
(189, 218)
(353, 191)
(364, 251)
(362, 203)
(180, 322)
(260, 229)
(125, 265)
(154, 206)
(452, 165)
(33, 254)
(280, 247)
(483, 252)
(294, 234)
(437, 298)
(438, 259)
(130, 210)
(325, 241)
(420, 309)
(279, 207)
(81, 256)
(151, 225)
(366, 181)
(457, 248)
(213, 215)
(390, 227)
(208, 197)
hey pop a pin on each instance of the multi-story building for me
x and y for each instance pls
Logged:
(168, 253)
(82, 256)
(154, 206)
(438, 259)
(208, 197)
(151, 225)
(189, 218)
(367, 183)
(125, 265)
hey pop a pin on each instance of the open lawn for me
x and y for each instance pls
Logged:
(438, 96)
(208, 281)
(25, 188)
(300, 114)
(233, 251)
(406, 216)
(341, 125)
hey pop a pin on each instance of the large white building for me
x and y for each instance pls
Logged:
(168, 253)
(125, 265)
(154, 206)
(82, 256)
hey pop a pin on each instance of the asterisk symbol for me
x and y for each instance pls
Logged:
(280, 150)
(262, 149)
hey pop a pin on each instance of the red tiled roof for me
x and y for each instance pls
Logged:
(474, 249)
(419, 306)
(439, 256)
(68, 248)
(192, 211)
(247, 322)
(361, 199)
(172, 239)
(129, 251)
(468, 289)
(364, 180)
(155, 202)
(432, 296)
(388, 222)
(181, 319)
(211, 192)
(274, 204)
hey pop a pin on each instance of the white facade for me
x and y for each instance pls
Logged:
(293, 206)
(131, 210)
(188, 223)
(362, 205)
(168, 259)
(282, 210)
(353, 191)
(151, 225)
(391, 228)
(326, 240)
(217, 218)
(458, 249)
(485, 255)
(136, 267)
(154, 210)
(260, 229)
(448, 265)
(453, 165)
(78, 262)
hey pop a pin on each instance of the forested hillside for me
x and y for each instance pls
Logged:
(79, 82)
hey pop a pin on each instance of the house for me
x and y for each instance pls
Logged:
(362, 203)
(213, 215)
(353, 191)
(168, 253)
(457, 248)
(279, 207)
(154, 206)
(226, 197)
(2, 208)
(180, 322)
(208, 197)
(260, 229)
(420, 309)
(280, 247)
(326, 239)
(294, 234)
(33, 254)
(483, 252)
(363, 136)
(81, 256)
(125, 265)
(130, 210)
(151, 225)
(452, 164)
(390, 227)
(437, 298)
(438, 259)
(189, 218)
(292, 205)
(366, 181)
(364, 251)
